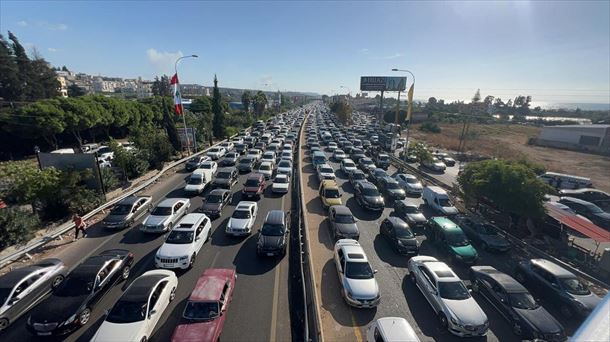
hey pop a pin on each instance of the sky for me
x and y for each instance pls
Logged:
(557, 52)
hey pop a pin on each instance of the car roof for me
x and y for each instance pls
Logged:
(367, 184)
(341, 210)
(441, 271)
(245, 205)
(210, 285)
(329, 183)
(218, 191)
(275, 217)
(396, 329)
(409, 203)
(191, 219)
(397, 222)
(227, 169)
(91, 266)
(552, 268)
(445, 223)
(506, 281)
(12, 278)
(130, 200)
(168, 202)
(575, 200)
(255, 176)
(140, 289)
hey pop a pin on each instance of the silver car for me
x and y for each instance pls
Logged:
(358, 285)
(165, 214)
(457, 311)
(126, 212)
(410, 183)
(23, 288)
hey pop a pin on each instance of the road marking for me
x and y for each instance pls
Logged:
(214, 259)
(276, 288)
(356, 328)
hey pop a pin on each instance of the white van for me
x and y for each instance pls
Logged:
(437, 198)
(198, 180)
(563, 181)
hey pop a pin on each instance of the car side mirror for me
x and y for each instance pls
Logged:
(14, 300)
(198, 238)
(374, 271)
(152, 312)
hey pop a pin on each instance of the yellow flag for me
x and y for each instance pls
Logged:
(410, 98)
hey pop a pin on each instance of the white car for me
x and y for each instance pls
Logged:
(358, 285)
(135, 315)
(269, 156)
(281, 184)
(266, 169)
(184, 242)
(286, 155)
(348, 166)
(242, 219)
(457, 311)
(409, 183)
(165, 214)
(391, 329)
(103, 163)
(339, 155)
(209, 165)
(325, 171)
(228, 146)
(216, 152)
(255, 153)
(284, 167)
(434, 164)
(332, 146)
(198, 181)
(105, 153)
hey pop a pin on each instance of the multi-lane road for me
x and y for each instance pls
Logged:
(260, 307)
(399, 297)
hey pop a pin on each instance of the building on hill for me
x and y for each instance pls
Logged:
(586, 138)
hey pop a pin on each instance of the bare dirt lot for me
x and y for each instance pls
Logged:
(510, 142)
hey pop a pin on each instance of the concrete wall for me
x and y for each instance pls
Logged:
(585, 135)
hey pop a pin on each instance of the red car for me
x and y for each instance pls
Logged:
(206, 309)
(254, 186)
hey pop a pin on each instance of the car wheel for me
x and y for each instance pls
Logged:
(566, 311)
(192, 261)
(144, 339)
(55, 282)
(125, 272)
(442, 320)
(172, 295)
(475, 286)
(520, 277)
(485, 246)
(3, 323)
(412, 277)
(517, 329)
(207, 238)
(84, 316)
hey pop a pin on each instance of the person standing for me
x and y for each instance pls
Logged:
(79, 226)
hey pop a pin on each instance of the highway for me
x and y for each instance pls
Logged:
(260, 307)
(399, 297)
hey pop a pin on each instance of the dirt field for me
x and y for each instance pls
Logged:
(510, 142)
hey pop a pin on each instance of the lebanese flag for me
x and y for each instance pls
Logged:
(177, 99)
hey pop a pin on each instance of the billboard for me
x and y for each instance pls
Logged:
(383, 83)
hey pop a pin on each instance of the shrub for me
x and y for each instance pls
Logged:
(109, 180)
(16, 226)
(430, 127)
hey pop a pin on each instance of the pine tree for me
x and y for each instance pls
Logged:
(218, 121)
(9, 81)
(23, 66)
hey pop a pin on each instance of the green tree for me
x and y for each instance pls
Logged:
(9, 79)
(246, 99)
(80, 115)
(511, 186)
(161, 86)
(153, 145)
(201, 104)
(23, 67)
(260, 103)
(170, 125)
(75, 91)
(218, 122)
(17, 226)
(342, 110)
(44, 118)
(109, 180)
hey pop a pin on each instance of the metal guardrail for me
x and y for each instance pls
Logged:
(400, 164)
(67, 226)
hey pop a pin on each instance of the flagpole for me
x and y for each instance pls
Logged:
(409, 109)
(186, 135)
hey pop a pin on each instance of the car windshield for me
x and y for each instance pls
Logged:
(265, 167)
(457, 239)
(245, 161)
(231, 156)
(207, 166)
(162, 211)
(121, 209)
(241, 214)
(367, 162)
(74, 287)
(223, 175)
(349, 165)
(104, 150)
(201, 311)
(593, 208)
(522, 301)
(326, 170)
(4, 293)
(252, 182)
(332, 193)
(454, 290)
(272, 229)
(403, 233)
(412, 180)
(444, 202)
(284, 163)
(358, 270)
(344, 219)
(411, 209)
(127, 312)
(281, 180)
(214, 150)
(195, 180)
(214, 198)
(358, 176)
(392, 185)
(370, 192)
(383, 158)
(180, 237)
(574, 286)
(486, 229)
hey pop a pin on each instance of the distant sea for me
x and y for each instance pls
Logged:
(582, 106)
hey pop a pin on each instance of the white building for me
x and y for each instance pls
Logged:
(63, 87)
(593, 138)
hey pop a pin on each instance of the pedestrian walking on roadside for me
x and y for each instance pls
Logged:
(79, 226)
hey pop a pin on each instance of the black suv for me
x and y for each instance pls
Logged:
(368, 196)
(398, 233)
(273, 236)
(558, 286)
(391, 189)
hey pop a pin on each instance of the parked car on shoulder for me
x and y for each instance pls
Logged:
(586, 194)
(243, 218)
(588, 210)
(206, 309)
(24, 287)
(434, 164)
(356, 276)
(127, 211)
(558, 286)
(528, 319)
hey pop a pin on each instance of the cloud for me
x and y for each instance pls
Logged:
(22, 23)
(162, 61)
(52, 49)
(53, 27)
(364, 51)
(393, 56)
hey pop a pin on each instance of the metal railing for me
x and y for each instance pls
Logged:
(67, 226)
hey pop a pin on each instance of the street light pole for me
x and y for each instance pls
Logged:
(186, 135)
(410, 104)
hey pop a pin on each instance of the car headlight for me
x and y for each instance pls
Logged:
(184, 257)
(457, 256)
(400, 243)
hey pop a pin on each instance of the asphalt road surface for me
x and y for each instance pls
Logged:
(399, 297)
(260, 307)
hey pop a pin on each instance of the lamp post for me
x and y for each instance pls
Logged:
(408, 122)
(188, 142)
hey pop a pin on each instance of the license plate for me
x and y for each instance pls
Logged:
(168, 265)
(44, 334)
(269, 254)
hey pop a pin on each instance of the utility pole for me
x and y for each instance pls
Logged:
(397, 110)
